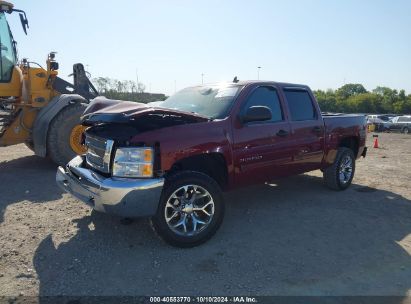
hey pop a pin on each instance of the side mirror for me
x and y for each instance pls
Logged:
(257, 113)
(24, 22)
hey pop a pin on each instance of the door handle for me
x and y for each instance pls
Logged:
(317, 129)
(282, 133)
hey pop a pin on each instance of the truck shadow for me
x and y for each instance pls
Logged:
(291, 237)
(28, 178)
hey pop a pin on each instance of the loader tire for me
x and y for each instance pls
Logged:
(61, 144)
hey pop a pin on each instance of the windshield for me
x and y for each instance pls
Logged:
(210, 101)
(7, 54)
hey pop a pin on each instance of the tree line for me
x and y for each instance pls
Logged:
(354, 98)
(124, 90)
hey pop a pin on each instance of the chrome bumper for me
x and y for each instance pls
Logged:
(121, 196)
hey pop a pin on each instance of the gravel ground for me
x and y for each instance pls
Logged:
(291, 237)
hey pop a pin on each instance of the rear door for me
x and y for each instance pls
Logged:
(395, 125)
(261, 150)
(407, 125)
(307, 128)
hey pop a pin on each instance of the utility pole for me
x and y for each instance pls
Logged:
(202, 78)
(258, 72)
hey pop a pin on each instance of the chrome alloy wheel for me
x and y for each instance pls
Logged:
(345, 170)
(189, 210)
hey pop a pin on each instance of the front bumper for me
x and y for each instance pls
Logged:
(120, 196)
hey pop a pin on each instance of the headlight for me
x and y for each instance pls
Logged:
(133, 162)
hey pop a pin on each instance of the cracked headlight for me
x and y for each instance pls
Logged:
(133, 162)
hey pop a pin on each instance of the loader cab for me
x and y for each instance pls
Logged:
(8, 56)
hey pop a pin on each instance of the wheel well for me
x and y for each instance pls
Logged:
(212, 164)
(45, 118)
(351, 143)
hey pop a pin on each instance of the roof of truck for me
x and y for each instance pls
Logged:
(249, 82)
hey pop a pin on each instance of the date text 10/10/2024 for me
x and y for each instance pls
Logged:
(203, 299)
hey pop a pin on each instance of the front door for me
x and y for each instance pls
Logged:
(262, 150)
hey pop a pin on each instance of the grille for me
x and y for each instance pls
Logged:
(98, 152)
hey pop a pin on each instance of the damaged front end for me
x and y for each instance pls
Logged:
(141, 117)
(110, 138)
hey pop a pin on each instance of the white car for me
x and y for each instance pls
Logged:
(401, 123)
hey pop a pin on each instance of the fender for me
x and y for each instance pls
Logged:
(46, 116)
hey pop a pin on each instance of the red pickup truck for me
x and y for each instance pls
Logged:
(172, 160)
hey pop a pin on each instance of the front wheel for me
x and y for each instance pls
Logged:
(191, 209)
(339, 175)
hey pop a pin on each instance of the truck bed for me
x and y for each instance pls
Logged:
(345, 125)
(344, 120)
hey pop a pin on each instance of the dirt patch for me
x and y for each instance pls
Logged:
(292, 237)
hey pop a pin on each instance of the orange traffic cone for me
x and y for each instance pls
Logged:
(376, 143)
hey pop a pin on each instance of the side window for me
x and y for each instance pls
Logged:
(7, 56)
(300, 104)
(267, 97)
(401, 119)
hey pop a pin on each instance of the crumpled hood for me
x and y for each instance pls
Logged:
(103, 110)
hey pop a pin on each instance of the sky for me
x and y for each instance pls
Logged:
(321, 43)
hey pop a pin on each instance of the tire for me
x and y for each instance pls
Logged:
(334, 176)
(405, 130)
(58, 138)
(210, 199)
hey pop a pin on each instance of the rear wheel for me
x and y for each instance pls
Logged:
(340, 174)
(65, 134)
(405, 130)
(191, 209)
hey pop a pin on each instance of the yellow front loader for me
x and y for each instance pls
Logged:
(37, 107)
